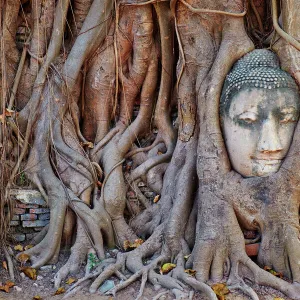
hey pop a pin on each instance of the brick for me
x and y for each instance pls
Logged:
(28, 196)
(44, 216)
(28, 217)
(19, 237)
(39, 210)
(252, 249)
(15, 218)
(23, 205)
(36, 223)
(19, 211)
(14, 223)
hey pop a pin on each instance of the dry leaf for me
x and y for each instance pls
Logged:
(166, 268)
(37, 297)
(270, 270)
(190, 272)
(4, 288)
(18, 247)
(128, 245)
(88, 144)
(4, 265)
(28, 247)
(71, 280)
(156, 198)
(9, 283)
(23, 258)
(29, 272)
(220, 290)
(187, 256)
(277, 298)
(60, 290)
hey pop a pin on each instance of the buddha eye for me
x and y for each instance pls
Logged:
(287, 118)
(248, 117)
(288, 115)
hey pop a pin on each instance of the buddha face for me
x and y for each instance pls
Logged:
(258, 127)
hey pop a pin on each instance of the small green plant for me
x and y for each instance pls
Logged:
(23, 178)
(93, 261)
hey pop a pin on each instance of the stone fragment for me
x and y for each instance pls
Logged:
(28, 196)
(19, 237)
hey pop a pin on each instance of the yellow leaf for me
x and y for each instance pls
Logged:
(28, 247)
(4, 265)
(60, 290)
(88, 144)
(156, 198)
(23, 257)
(127, 244)
(220, 290)
(166, 268)
(190, 272)
(37, 297)
(18, 247)
(277, 298)
(29, 272)
(71, 280)
(187, 256)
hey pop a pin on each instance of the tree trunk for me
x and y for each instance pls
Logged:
(91, 107)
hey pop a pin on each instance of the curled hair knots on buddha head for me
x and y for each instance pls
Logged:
(257, 69)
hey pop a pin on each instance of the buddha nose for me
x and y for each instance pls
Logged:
(269, 141)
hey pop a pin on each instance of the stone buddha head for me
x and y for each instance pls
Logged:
(259, 110)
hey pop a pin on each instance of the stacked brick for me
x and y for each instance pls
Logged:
(31, 214)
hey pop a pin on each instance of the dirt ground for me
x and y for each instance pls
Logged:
(26, 288)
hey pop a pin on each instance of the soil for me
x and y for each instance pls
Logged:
(26, 288)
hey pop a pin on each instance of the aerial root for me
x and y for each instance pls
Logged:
(85, 281)
(10, 264)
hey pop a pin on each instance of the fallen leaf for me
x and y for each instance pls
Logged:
(88, 144)
(71, 280)
(60, 290)
(187, 256)
(29, 272)
(273, 272)
(220, 290)
(128, 245)
(156, 198)
(4, 265)
(37, 297)
(277, 298)
(18, 247)
(28, 247)
(9, 283)
(166, 268)
(4, 288)
(159, 153)
(190, 272)
(23, 258)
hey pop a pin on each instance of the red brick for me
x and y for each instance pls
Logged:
(36, 223)
(23, 205)
(28, 217)
(39, 210)
(252, 249)
(19, 211)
